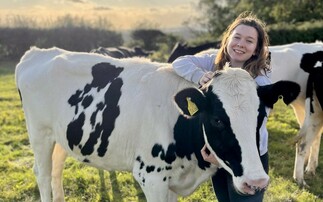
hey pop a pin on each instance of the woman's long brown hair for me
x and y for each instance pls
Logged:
(259, 61)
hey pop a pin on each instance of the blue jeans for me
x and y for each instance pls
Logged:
(225, 192)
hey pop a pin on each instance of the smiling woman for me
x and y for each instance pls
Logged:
(121, 14)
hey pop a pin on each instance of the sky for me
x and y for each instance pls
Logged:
(122, 14)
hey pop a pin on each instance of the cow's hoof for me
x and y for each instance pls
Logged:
(302, 183)
(310, 172)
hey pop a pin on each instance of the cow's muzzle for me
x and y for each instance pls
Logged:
(250, 187)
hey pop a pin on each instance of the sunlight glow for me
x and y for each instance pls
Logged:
(120, 17)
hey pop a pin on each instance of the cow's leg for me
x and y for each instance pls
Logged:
(299, 111)
(59, 157)
(316, 129)
(172, 196)
(308, 132)
(156, 189)
(315, 148)
(42, 145)
(300, 156)
(314, 155)
(154, 186)
(302, 147)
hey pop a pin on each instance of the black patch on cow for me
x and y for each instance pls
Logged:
(99, 107)
(185, 134)
(220, 135)
(87, 101)
(74, 131)
(75, 99)
(157, 148)
(150, 169)
(142, 164)
(168, 156)
(287, 90)
(315, 78)
(103, 74)
(189, 138)
(86, 161)
(110, 114)
(88, 148)
(262, 114)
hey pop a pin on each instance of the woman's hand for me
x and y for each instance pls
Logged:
(208, 157)
(205, 78)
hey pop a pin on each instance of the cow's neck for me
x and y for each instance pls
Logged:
(189, 139)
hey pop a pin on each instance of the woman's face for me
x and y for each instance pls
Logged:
(242, 44)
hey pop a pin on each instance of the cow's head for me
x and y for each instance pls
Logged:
(178, 50)
(227, 109)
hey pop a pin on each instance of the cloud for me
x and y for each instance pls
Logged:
(77, 1)
(121, 17)
(102, 8)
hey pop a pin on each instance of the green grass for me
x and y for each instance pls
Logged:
(83, 183)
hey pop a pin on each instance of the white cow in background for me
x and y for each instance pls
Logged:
(286, 65)
(120, 114)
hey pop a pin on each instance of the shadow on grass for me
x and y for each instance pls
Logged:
(116, 193)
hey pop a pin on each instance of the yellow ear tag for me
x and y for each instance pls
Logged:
(191, 106)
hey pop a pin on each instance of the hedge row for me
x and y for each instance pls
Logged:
(288, 33)
(15, 41)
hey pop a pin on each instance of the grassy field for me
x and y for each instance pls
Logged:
(83, 183)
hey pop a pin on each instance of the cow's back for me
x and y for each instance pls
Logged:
(73, 95)
(285, 63)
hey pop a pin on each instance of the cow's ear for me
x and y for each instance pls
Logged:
(190, 101)
(287, 90)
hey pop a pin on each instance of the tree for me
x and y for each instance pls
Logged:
(148, 38)
(217, 15)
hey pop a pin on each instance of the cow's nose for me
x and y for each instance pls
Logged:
(251, 186)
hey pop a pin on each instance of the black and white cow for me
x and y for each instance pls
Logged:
(184, 49)
(122, 52)
(288, 63)
(309, 137)
(136, 115)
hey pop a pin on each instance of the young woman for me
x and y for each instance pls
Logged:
(244, 45)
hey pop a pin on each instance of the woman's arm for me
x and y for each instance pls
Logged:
(193, 68)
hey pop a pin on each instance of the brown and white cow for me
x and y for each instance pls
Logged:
(136, 115)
